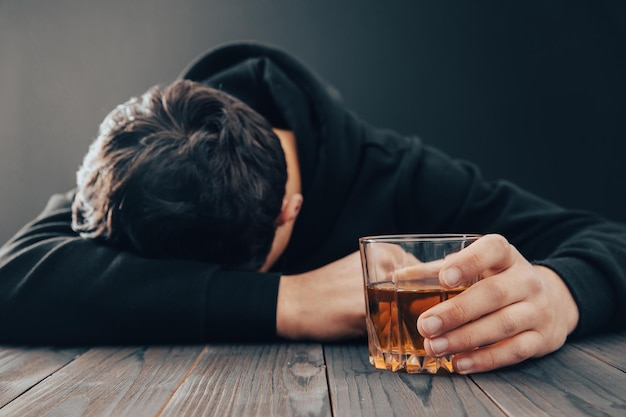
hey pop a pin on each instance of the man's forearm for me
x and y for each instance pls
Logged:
(325, 304)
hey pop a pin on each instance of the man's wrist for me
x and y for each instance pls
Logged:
(287, 307)
(556, 284)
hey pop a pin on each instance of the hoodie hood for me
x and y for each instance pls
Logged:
(290, 96)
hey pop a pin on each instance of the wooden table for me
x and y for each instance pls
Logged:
(582, 379)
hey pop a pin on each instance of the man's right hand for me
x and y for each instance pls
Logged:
(325, 304)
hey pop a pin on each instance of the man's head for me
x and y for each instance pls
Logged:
(186, 172)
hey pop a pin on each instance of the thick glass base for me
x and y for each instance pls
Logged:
(411, 363)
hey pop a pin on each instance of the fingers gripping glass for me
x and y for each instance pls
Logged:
(401, 282)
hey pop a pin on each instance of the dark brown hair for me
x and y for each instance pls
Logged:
(186, 172)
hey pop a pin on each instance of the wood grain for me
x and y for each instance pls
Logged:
(133, 382)
(581, 379)
(610, 348)
(358, 389)
(254, 380)
(22, 368)
(567, 383)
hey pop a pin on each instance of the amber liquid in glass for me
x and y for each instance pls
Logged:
(394, 340)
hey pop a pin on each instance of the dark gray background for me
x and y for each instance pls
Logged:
(534, 91)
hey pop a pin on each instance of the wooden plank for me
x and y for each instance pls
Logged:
(610, 348)
(254, 380)
(567, 383)
(22, 368)
(358, 389)
(133, 382)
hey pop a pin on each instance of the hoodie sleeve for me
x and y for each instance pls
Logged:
(58, 288)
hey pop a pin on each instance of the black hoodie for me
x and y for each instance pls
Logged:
(57, 288)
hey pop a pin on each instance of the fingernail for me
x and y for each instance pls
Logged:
(432, 325)
(464, 365)
(439, 346)
(452, 277)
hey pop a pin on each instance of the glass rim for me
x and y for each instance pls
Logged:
(427, 237)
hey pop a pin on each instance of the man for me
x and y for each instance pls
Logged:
(562, 275)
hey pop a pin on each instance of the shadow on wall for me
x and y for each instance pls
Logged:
(533, 92)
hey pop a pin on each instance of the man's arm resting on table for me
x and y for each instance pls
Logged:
(324, 304)
(57, 288)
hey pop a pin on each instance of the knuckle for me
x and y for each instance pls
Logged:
(510, 324)
(558, 341)
(457, 313)
(488, 360)
(498, 291)
(474, 260)
(520, 351)
(534, 283)
(498, 243)
(466, 341)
